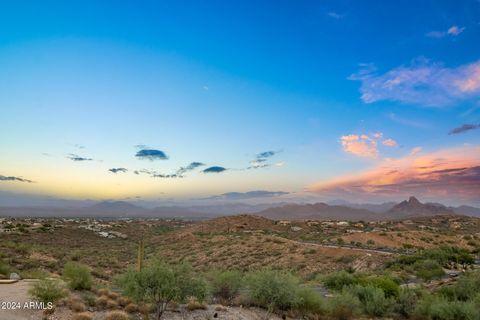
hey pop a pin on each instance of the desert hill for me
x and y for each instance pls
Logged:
(414, 208)
(318, 211)
(321, 211)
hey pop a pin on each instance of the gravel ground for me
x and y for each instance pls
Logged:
(18, 293)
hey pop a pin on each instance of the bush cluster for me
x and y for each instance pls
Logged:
(47, 290)
(381, 296)
(77, 276)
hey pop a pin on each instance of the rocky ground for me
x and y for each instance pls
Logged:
(18, 292)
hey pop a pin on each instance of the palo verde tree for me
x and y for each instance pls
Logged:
(160, 283)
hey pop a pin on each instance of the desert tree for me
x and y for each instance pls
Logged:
(160, 283)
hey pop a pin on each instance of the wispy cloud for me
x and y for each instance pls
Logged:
(13, 178)
(247, 195)
(415, 151)
(423, 83)
(365, 145)
(406, 121)
(167, 176)
(180, 173)
(449, 173)
(117, 170)
(261, 158)
(455, 30)
(192, 166)
(266, 154)
(464, 128)
(75, 157)
(389, 143)
(151, 154)
(452, 31)
(214, 169)
(335, 15)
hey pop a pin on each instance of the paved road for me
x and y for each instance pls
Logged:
(381, 251)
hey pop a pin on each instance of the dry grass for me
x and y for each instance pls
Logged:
(194, 304)
(116, 315)
(83, 316)
(101, 301)
(123, 301)
(112, 304)
(131, 308)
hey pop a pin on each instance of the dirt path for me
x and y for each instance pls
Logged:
(13, 294)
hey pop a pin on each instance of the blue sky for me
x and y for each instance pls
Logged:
(338, 90)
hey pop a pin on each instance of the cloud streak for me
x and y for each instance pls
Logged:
(261, 158)
(151, 154)
(192, 166)
(464, 128)
(214, 169)
(13, 178)
(452, 31)
(118, 170)
(180, 173)
(421, 83)
(450, 173)
(78, 158)
(247, 195)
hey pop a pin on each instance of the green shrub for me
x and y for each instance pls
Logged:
(4, 268)
(344, 306)
(310, 302)
(428, 269)
(338, 280)
(464, 289)
(435, 308)
(227, 284)
(387, 284)
(273, 290)
(77, 276)
(373, 300)
(406, 302)
(47, 290)
(159, 283)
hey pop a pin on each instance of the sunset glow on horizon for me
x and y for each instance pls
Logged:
(307, 101)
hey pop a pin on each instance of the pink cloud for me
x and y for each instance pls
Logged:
(389, 143)
(365, 145)
(455, 30)
(361, 146)
(415, 151)
(470, 83)
(452, 31)
(446, 174)
(422, 82)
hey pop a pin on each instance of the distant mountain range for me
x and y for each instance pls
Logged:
(406, 209)
(320, 211)
(338, 209)
(122, 209)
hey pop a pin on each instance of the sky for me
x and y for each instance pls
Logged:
(365, 101)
